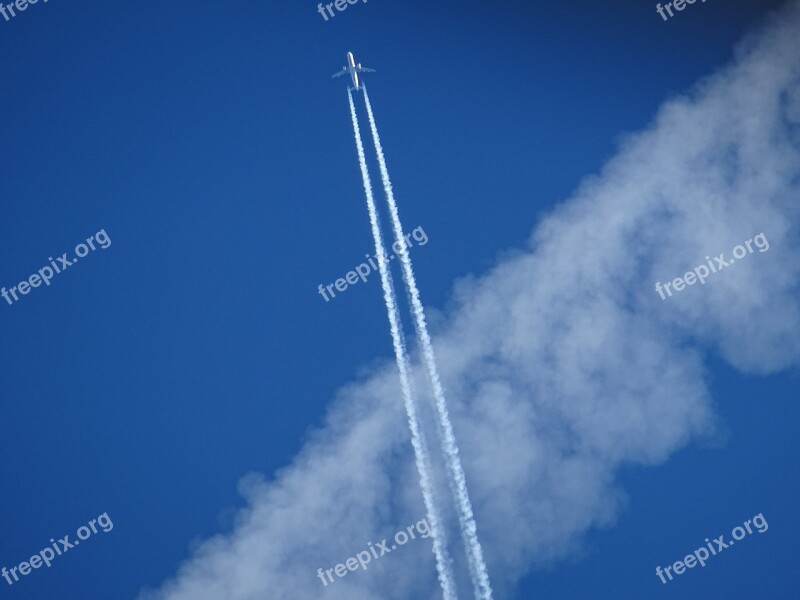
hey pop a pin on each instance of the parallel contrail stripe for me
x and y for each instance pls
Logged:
(469, 532)
(443, 560)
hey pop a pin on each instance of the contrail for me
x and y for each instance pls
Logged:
(469, 530)
(443, 561)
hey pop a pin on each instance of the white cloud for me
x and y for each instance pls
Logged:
(562, 363)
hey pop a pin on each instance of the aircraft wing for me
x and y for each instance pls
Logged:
(365, 70)
(342, 72)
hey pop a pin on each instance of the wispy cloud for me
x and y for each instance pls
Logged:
(561, 364)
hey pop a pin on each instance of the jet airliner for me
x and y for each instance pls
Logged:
(353, 69)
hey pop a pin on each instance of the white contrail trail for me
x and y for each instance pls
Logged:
(469, 531)
(443, 561)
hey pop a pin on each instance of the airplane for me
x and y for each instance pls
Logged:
(353, 69)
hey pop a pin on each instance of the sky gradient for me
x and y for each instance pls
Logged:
(211, 146)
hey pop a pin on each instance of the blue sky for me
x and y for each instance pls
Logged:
(210, 144)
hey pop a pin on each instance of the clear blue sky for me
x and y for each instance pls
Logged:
(209, 142)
